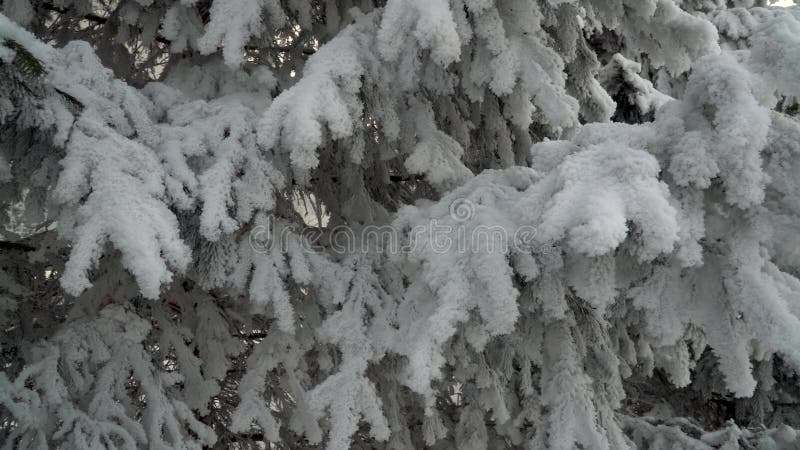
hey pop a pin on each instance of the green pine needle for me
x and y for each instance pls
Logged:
(24, 60)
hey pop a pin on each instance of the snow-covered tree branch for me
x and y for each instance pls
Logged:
(399, 224)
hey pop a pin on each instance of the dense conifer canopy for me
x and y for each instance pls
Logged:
(399, 224)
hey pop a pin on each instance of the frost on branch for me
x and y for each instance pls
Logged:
(267, 355)
(349, 395)
(233, 23)
(326, 96)
(411, 224)
(593, 207)
(92, 360)
(437, 155)
(125, 185)
(110, 181)
(622, 72)
(208, 118)
(430, 22)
